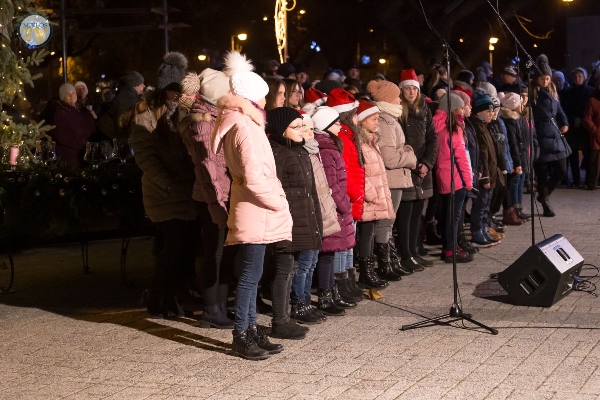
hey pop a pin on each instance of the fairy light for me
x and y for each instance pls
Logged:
(281, 27)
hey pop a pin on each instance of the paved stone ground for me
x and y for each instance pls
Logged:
(65, 334)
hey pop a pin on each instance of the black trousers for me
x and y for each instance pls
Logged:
(281, 268)
(408, 226)
(325, 274)
(549, 174)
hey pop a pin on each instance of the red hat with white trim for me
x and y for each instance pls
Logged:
(409, 77)
(312, 95)
(341, 101)
(366, 109)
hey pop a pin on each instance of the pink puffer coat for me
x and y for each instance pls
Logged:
(378, 199)
(258, 209)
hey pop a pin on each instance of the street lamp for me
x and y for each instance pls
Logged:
(202, 57)
(493, 41)
(241, 37)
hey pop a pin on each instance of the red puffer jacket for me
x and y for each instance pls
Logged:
(354, 171)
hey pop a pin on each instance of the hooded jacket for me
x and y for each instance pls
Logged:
(545, 110)
(487, 153)
(258, 209)
(355, 172)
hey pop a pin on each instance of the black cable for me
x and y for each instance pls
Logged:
(584, 285)
(590, 276)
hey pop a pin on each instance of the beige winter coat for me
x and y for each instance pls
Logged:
(378, 199)
(258, 209)
(328, 210)
(398, 157)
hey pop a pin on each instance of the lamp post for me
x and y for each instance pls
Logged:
(241, 37)
(567, 3)
(492, 41)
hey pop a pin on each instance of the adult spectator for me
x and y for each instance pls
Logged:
(591, 121)
(287, 70)
(509, 80)
(129, 93)
(271, 68)
(302, 77)
(83, 100)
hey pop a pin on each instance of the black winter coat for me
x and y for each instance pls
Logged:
(573, 102)
(294, 170)
(473, 146)
(487, 153)
(421, 136)
(545, 109)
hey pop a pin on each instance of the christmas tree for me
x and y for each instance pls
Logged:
(14, 74)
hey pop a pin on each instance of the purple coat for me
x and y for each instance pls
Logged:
(212, 184)
(73, 127)
(335, 171)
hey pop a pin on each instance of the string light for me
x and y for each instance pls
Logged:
(281, 26)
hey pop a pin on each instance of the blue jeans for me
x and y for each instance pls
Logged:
(449, 222)
(480, 210)
(302, 281)
(252, 257)
(516, 188)
(343, 261)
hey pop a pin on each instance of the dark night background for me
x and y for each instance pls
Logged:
(390, 29)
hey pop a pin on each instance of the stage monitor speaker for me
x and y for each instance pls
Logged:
(544, 274)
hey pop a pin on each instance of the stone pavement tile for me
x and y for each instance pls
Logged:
(358, 394)
(468, 390)
(592, 385)
(135, 393)
(194, 391)
(520, 380)
(307, 397)
(567, 378)
(228, 396)
(332, 392)
(500, 392)
(103, 389)
(307, 389)
(520, 394)
(577, 396)
(371, 373)
(337, 368)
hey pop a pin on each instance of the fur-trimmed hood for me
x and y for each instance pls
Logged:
(462, 85)
(505, 113)
(234, 110)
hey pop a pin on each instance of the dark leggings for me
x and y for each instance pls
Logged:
(549, 174)
(366, 239)
(215, 273)
(325, 274)
(408, 226)
(284, 267)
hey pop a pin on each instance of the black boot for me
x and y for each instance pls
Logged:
(367, 275)
(422, 261)
(352, 283)
(338, 300)
(314, 310)
(341, 280)
(465, 244)
(260, 338)
(382, 250)
(214, 317)
(302, 314)
(431, 235)
(326, 304)
(289, 330)
(245, 347)
(171, 307)
(548, 211)
(520, 213)
(152, 304)
(412, 264)
(395, 260)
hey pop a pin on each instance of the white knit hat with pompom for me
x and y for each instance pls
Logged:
(242, 80)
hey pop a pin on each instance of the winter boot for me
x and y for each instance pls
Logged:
(260, 338)
(302, 315)
(152, 304)
(510, 217)
(464, 244)
(382, 250)
(367, 275)
(326, 304)
(411, 264)
(422, 261)
(352, 283)
(520, 213)
(341, 281)
(245, 347)
(214, 317)
(314, 310)
(338, 300)
(289, 330)
(395, 260)
(431, 234)
(548, 211)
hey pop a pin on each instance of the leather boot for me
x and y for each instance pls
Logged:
(432, 237)
(152, 304)
(214, 317)
(367, 275)
(422, 261)
(302, 315)
(510, 217)
(548, 211)
(338, 300)
(314, 310)
(395, 260)
(412, 264)
(260, 338)
(341, 281)
(382, 250)
(520, 213)
(352, 282)
(326, 304)
(244, 346)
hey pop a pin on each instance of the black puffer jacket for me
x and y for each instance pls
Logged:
(545, 109)
(420, 135)
(294, 170)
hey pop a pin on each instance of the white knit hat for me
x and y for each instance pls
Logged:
(64, 89)
(509, 100)
(242, 80)
(79, 83)
(213, 85)
(324, 117)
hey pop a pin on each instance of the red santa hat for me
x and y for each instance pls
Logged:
(409, 77)
(366, 109)
(312, 95)
(341, 101)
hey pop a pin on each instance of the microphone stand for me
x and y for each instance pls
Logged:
(530, 63)
(456, 312)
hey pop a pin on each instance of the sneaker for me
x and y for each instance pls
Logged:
(461, 256)
(479, 239)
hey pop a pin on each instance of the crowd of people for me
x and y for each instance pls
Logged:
(286, 184)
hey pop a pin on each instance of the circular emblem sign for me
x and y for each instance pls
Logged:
(35, 30)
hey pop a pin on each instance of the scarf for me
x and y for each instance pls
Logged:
(395, 110)
(262, 110)
(312, 146)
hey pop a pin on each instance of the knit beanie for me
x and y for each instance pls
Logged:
(465, 76)
(64, 89)
(190, 85)
(384, 91)
(544, 66)
(324, 117)
(489, 89)
(559, 75)
(172, 71)
(278, 120)
(327, 86)
(463, 95)
(582, 70)
(495, 102)
(213, 85)
(366, 109)
(286, 69)
(481, 101)
(80, 83)
(509, 100)
(455, 102)
(242, 81)
(510, 70)
(341, 101)
(133, 79)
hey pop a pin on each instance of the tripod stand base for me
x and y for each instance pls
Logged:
(455, 314)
